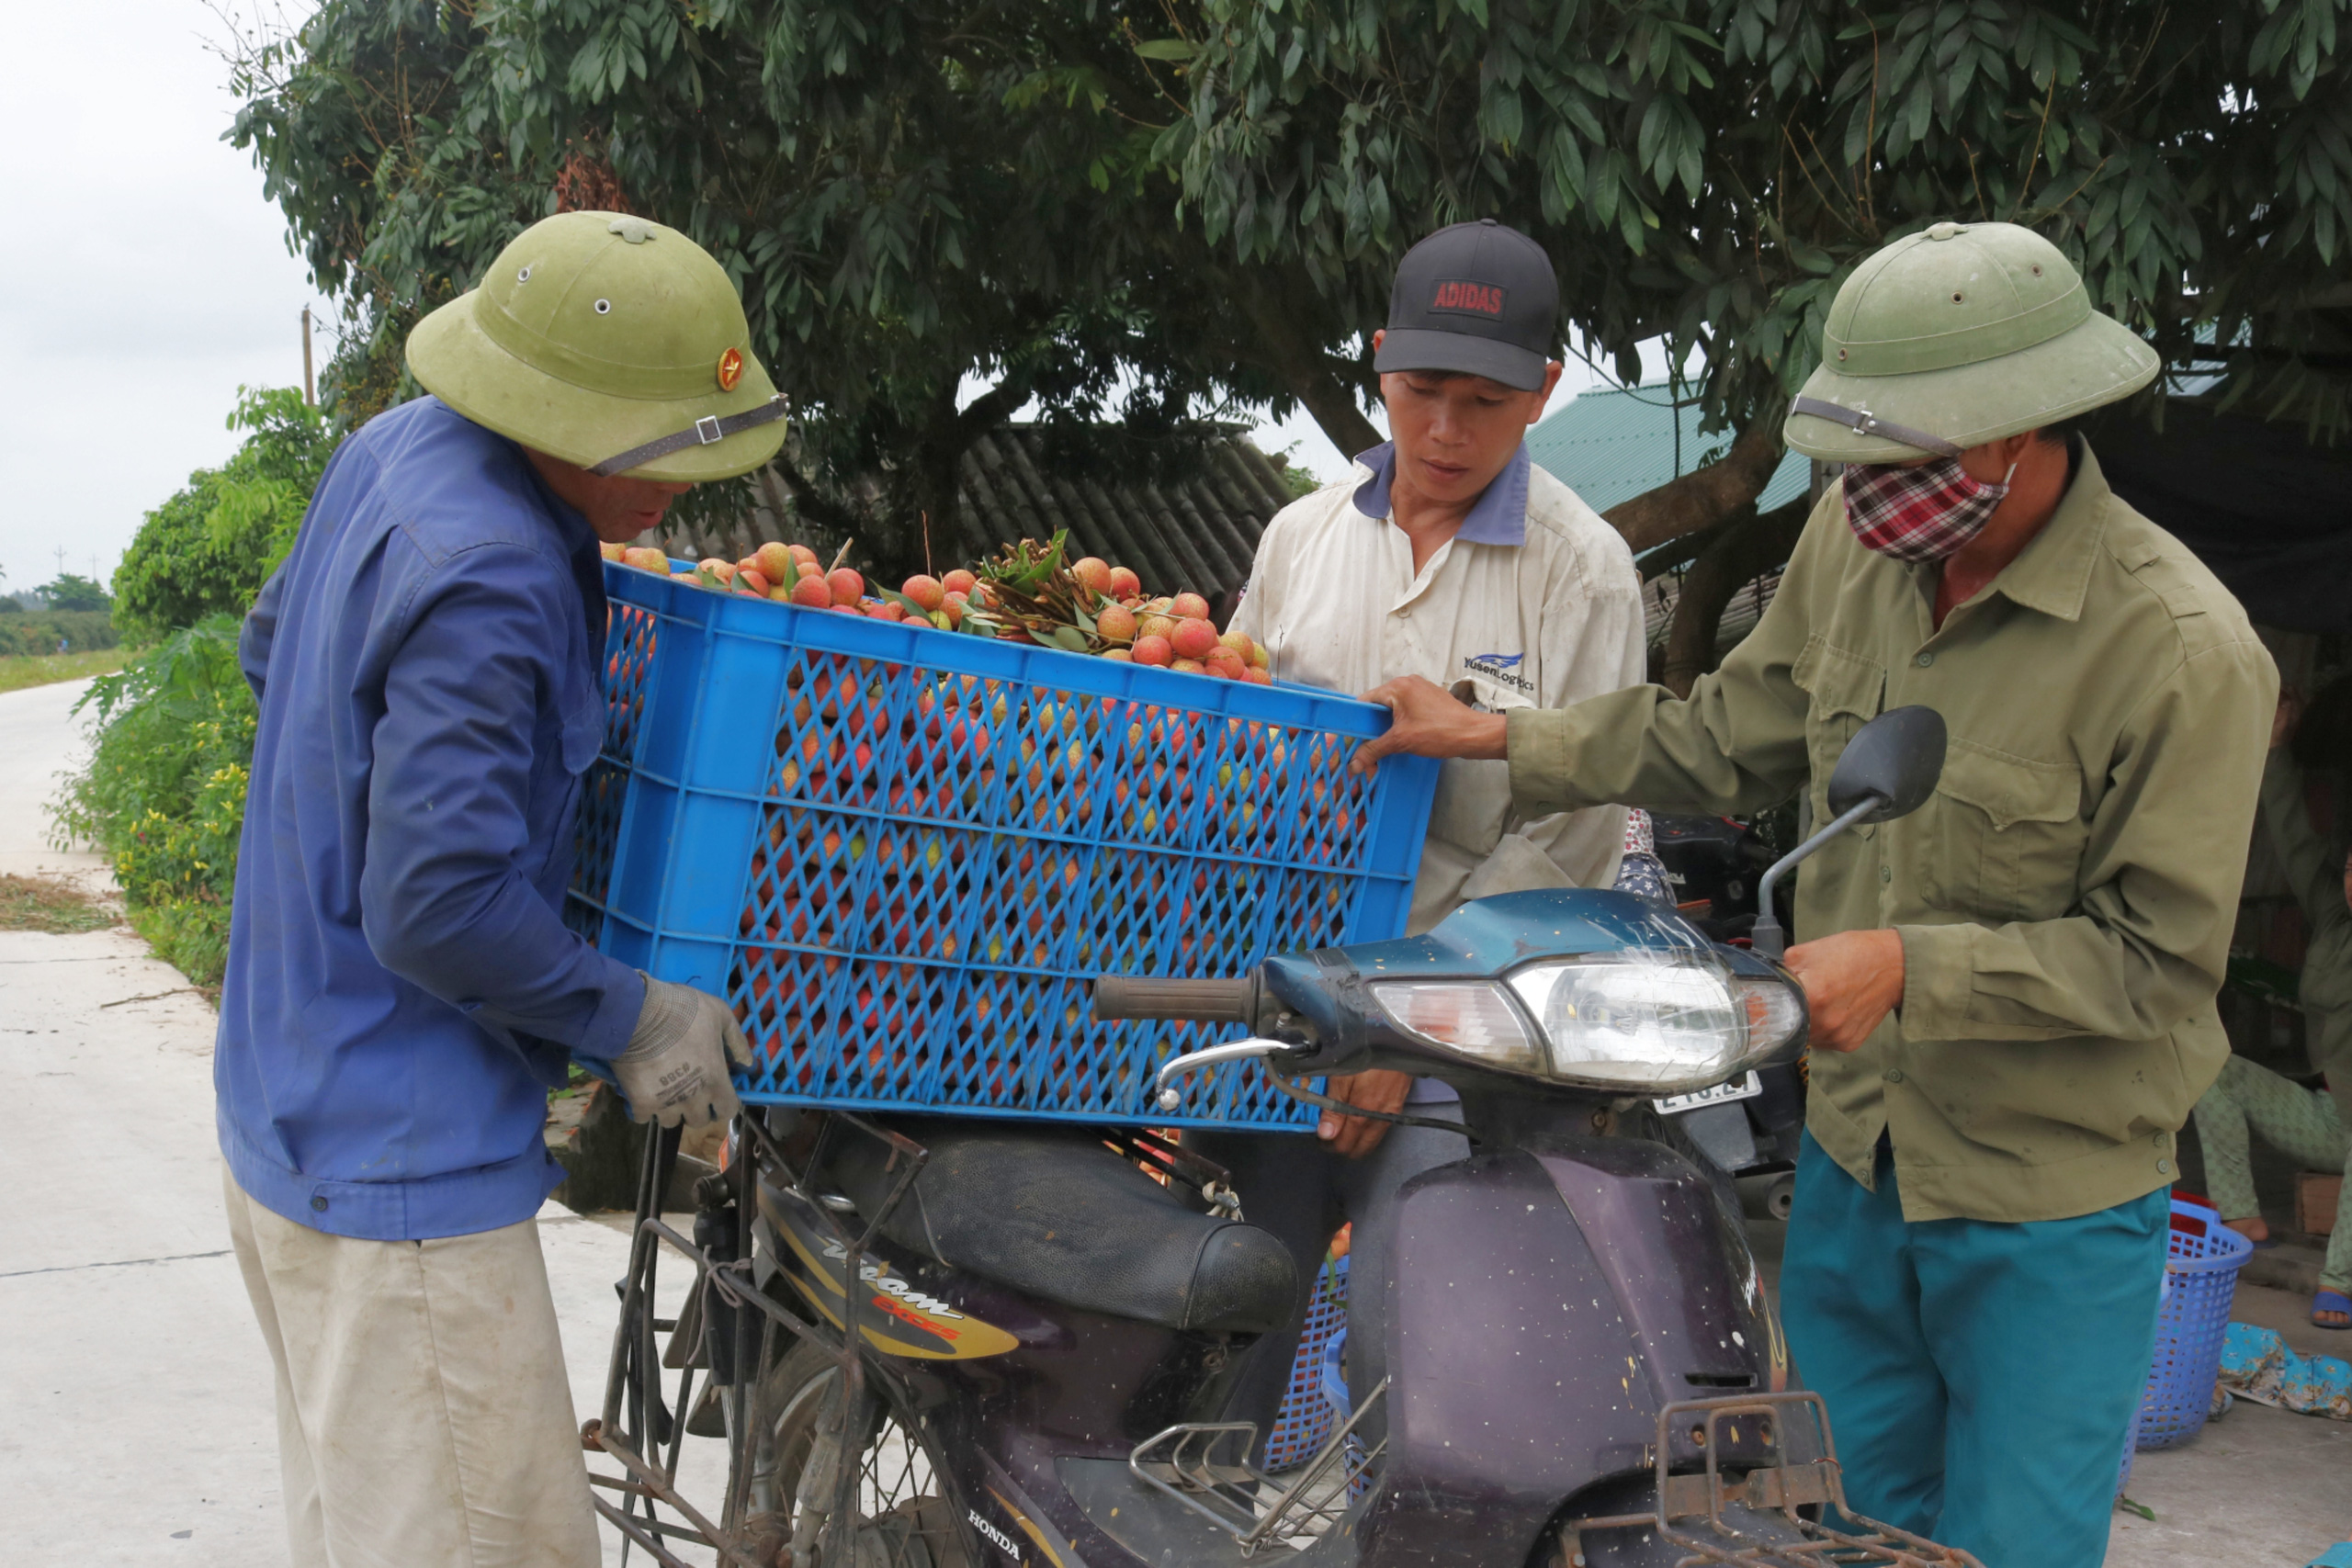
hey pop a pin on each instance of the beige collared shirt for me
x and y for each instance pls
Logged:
(1548, 621)
(2066, 898)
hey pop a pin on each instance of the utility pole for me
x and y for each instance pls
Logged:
(309, 389)
(60, 560)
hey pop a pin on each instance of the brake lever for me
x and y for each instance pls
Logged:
(1209, 1056)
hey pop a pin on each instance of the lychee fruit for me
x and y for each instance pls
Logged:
(925, 591)
(1121, 654)
(774, 562)
(1224, 664)
(1156, 626)
(959, 582)
(1117, 623)
(848, 586)
(1256, 675)
(811, 593)
(646, 559)
(750, 579)
(1124, 584)
(1151, 649)
(1189, 606)
(1190, 666)
(1193, 639)
(723, 569)
(611, 551)
(1239, 642)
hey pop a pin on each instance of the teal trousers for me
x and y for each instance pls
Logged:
(1981, 1376)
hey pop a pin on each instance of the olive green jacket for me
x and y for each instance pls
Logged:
(2066, 898)
(2317, 876)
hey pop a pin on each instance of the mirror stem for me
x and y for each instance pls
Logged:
(1768, 939)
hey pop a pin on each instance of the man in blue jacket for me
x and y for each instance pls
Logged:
(401, 990)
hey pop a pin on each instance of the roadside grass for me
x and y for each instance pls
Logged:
(46, 904)
(18, 671)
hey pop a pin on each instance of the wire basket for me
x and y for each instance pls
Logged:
(903, 854)
(2200, 1280)
(1307, 1412)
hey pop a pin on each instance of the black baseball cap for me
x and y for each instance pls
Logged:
(1477, 298)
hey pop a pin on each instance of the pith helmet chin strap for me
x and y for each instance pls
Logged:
(1864, 422)
(702, 432)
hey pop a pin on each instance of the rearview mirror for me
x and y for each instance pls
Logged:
(1888, 770)
(1896, 757)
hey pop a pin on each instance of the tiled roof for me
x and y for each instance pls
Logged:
(1196, 527)
(1612, 442)
(1197, 530)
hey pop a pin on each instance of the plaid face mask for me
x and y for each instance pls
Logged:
(1920, 512)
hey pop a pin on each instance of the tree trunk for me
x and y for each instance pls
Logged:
(1705, 496)
(1749, 547)
(1319, 382)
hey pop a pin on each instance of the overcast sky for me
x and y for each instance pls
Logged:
(149, 280)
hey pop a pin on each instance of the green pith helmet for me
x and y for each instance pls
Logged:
(609, 342)
(1955, 336)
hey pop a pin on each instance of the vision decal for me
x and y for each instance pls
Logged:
(894, 1316)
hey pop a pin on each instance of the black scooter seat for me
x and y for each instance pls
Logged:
(1061, 1217)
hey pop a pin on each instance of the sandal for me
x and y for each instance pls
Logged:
(2335, 1302)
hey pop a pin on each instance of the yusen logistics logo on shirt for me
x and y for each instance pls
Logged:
(1502, 668)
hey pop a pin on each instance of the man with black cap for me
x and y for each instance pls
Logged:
(1447, 554)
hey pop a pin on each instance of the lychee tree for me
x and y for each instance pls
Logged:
(1708, 171)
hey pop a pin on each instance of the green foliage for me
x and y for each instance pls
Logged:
(1710, 170)
(72, 592)
(909, 194)
(41, 631)
(164, 797)
(208, 548)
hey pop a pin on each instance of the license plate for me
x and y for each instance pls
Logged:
(1715, 1094)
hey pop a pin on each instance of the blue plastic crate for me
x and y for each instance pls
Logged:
(904, 853)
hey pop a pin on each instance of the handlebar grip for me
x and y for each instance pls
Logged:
(1128, 996)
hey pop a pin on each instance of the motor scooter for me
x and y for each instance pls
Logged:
(944, 1342)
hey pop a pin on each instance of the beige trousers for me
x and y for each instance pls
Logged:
(424, 1416)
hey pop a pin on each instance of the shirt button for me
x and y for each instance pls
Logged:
(1925, 659)
(1894, 1074)
(320, 1203)
(1886, 873)
(2164, 1168)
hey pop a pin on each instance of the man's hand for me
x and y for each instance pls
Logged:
(1851, 981)
(1429, 723)
(2289, 713)
(674, 1069)
(1356, 1136)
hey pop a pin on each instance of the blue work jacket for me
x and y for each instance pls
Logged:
(401, 989)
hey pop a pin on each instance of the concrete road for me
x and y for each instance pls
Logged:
(140, 1426)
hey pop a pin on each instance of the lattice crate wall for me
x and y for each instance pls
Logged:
(904, 853)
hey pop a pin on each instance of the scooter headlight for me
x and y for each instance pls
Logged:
(1645, 1022)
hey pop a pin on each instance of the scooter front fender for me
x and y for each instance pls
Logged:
(1543, 1307)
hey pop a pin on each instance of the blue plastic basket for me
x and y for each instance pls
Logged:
(2200, 1279)
(1308, 1411)
(904, 853)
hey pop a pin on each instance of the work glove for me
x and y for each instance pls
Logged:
(674, 1069)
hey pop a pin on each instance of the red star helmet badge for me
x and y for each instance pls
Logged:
(730, 369)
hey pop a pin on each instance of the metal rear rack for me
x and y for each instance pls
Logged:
(1184, 1462)
(1690, 1511)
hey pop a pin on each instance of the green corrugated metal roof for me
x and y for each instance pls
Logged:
(1613, 443)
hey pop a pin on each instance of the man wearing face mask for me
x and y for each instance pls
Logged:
(2011, 989)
